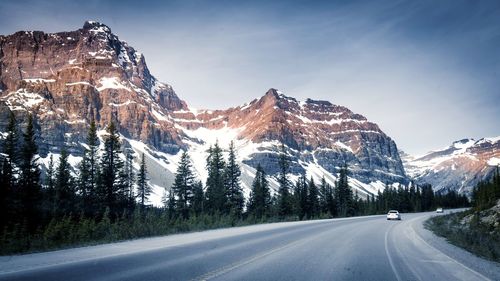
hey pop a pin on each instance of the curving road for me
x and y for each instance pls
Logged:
(362, 248)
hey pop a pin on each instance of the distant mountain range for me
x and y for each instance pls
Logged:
(67, 79)
(459, 166)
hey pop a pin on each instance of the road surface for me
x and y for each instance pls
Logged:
(362, 248)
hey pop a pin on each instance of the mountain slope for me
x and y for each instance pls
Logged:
(67, 79)
(459, 166)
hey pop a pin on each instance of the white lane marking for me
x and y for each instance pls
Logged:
(452, 259)
(227, 268)
(391, 262)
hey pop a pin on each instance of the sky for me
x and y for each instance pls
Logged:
(427, 72)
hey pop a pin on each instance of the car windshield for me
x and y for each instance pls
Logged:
(393, 212)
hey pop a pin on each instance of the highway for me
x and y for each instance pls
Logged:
(361, 248)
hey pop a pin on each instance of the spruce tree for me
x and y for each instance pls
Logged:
(232, 175)
(111, 167)
(49, 178)
(10, 149)
(302, 197)
(129, 179)
(171, 205)
(83, 184)
(29, 178)
(143, 188)
(259, 203)
(284, 199)
(198, 198)
(5, 196)
(216, 193)
(313, 199)
(183, 186)
(93, 160)
(64, 191)
(343, 194)
(9, 208)
(324, 196)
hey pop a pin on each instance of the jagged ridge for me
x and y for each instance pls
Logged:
(68, 78)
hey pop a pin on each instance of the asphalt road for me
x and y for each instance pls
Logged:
(363, 248)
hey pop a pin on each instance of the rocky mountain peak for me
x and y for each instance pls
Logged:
(459, 166)
(68, 78)
(96, 27)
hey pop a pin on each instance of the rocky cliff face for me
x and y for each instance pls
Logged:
(67, 79)
(459, 166)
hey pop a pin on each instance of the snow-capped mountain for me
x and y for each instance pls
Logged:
(459, 166)
(67, 79)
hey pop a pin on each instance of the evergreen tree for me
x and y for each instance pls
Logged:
(171, 205)
(284, 199)
(259, 203)
(129, 179)
(143, 188)
(5, 193)
(183, 186)
(10, 148)
(343, 194)
(326, 200)
(198, 198)
(111, 167)
(301, 193)
(216, 193)
(49, 178)
(29, 178)
(427, 197)
(83, 183)
(9, 163)
(232, 175)
(64, 191)
(313, 208)
(93, 160)
(9, 173)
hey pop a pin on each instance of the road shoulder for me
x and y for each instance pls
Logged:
(487, 268)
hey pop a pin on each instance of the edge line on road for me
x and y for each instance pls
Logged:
(452, 259)
(391, 262)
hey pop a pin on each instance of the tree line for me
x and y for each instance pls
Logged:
(105, 199)
(486, 193)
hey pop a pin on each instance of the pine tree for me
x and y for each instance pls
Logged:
(232, 175)
(64, 191)
(111, 167)
(216, 193)
(10, 147)
(171, 205)
(29, 178)
(313, 199)
(8, 202)
(10, 161)
(93, 160)
(183, 186)
(129, 179)
(5, 193)
(284, 200)
(259, 203)
(143, 188)
(83, 184)
(198, 198)
(343, 194)
(49, 178)
(302, 197)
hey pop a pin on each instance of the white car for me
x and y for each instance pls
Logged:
(439, 210)
(393, 215)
